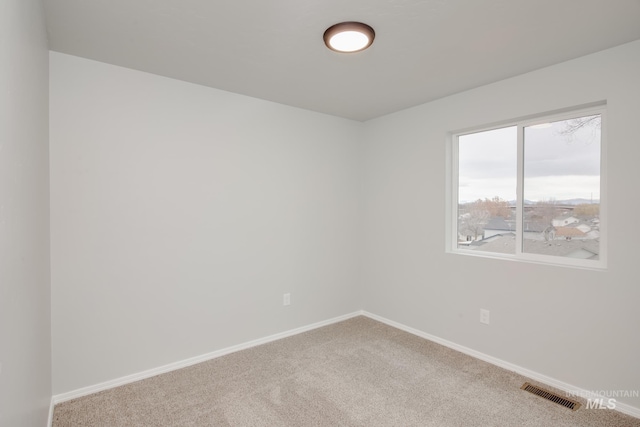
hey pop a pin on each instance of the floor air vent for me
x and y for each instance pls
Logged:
(545, 394)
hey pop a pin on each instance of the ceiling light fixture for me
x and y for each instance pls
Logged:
(349, 37)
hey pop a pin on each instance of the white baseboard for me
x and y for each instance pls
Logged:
(59, 398)
(621, 407)
(50, 419)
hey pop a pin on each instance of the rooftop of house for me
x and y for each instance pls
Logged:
(506, 244)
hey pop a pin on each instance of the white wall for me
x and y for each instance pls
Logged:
(25, 328)
(180, 216)
(577, 326)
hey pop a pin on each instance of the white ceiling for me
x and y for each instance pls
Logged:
(273, 49)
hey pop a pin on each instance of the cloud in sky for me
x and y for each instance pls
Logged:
(557, 166)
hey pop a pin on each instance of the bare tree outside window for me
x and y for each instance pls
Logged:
(571, 127)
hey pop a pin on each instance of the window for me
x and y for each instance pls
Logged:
(531, 190)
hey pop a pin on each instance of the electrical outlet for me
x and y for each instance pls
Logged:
(286, 299)
(484, 316)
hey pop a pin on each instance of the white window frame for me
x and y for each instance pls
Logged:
(453, 186)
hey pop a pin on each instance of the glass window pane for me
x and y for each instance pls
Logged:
(562, 188)
(487, 182)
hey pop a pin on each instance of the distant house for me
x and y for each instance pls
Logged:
(565, 220)
(498, 225)
(533, 230)
(579, 230)
(569, 233)
(583, 227)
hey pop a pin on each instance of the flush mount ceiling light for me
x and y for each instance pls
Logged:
(349, 37)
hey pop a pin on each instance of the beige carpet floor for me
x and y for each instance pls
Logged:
(354, 373)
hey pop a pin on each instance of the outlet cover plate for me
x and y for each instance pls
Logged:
(484, 316)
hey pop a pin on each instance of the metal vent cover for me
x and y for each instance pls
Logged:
(554, 397)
